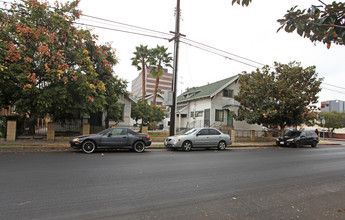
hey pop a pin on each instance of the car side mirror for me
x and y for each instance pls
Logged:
(110, 134)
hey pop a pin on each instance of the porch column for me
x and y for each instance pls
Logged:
(11, 130)
(144, 129)
(51, 131)
(252, 135)
(233, 135)
(86, 129)
(270, 134)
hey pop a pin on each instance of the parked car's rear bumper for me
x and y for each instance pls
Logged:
(148, 143)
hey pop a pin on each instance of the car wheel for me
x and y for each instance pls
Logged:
(314, 144)
(89, 147)
(221, 145)
(187, 146)
(139, 147)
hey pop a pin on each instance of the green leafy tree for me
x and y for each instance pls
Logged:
(160, 58)
(333, 120)
(157, 114)
(141, 61)
(324, 23)
(146, 112)
(242, 2)
(280, 97)
(320, 23)
(141, 110)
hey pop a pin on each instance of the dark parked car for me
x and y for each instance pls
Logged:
(199, 137)
(112, 138)
(298, 138)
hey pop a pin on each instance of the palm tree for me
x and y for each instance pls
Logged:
(140, 60)
(159, 59)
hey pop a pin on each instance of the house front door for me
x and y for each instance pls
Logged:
(207, 118)
(230, 120)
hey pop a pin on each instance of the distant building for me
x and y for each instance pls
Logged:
(165, 84)
(333, 105)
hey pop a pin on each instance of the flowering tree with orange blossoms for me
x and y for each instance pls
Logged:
(47, 64)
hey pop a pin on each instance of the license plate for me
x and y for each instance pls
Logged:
(281, 142)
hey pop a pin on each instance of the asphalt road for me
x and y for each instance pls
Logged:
(276, 183)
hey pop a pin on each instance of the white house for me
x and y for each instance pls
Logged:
(125, 120)
(210, 106)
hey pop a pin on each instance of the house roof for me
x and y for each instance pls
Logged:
(181, 108)
(206, 91)
(147, 96)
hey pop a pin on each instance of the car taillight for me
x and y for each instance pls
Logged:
(148, 137)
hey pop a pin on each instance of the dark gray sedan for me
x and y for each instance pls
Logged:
(112, 138)
(199, 138)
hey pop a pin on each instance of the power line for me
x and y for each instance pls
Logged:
(186, 41)
(334, 90)
(191, 42)
(219, 54)
(334, 86)
(128, 32)
(133, 26)
(224, 51)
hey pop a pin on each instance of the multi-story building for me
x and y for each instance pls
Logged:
(165, 83)
(333, 105)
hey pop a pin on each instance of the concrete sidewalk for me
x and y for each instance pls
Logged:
(43, 145)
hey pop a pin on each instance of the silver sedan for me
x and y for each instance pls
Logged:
(199, 138)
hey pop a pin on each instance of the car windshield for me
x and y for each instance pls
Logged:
(292, 133)
(190, 132)
(104, 131)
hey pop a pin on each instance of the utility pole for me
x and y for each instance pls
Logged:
(175, 65)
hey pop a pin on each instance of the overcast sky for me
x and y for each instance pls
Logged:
(249, 32)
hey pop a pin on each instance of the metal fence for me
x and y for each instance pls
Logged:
(243, 133)
(71, 127)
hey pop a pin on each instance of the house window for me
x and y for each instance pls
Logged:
(192, 115)
(229, 93)
(199, 114)
(219, 115)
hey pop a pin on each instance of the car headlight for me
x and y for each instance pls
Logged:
(75, 140)
(290, 139)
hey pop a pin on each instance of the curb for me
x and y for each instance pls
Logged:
(46, 147)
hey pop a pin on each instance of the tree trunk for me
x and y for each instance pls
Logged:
(156, 85)
(282, 127)
(156, 91)
(143, 81)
